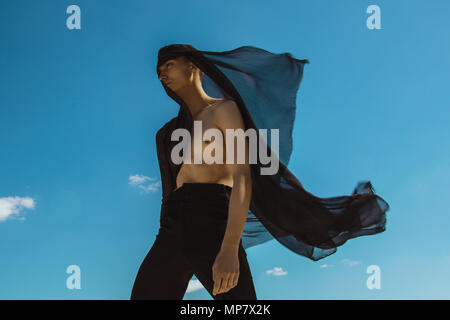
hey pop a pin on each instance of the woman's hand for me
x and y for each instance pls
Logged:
(225, 270)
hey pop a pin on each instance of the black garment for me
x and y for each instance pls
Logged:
(264, 86)
(187, 243)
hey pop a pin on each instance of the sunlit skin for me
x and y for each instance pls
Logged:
(184, 78)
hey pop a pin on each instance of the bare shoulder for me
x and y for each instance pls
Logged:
(226, 104)
(227, 108)
(227, 115)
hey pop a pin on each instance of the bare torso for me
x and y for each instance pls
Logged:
(205, 173)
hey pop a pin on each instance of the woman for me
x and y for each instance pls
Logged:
(207, 207)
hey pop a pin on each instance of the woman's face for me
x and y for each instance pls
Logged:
(176, 73)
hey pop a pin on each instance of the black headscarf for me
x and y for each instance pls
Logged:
(264, 86)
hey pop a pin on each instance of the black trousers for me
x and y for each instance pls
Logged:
(189, 239)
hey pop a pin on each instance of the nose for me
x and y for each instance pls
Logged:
(164, 80)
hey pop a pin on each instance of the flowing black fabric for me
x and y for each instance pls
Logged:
(264, 85)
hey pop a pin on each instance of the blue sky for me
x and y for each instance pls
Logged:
(79, 110)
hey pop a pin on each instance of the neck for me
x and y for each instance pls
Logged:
(196, 99)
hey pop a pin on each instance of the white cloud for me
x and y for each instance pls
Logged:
(194, 285)
(13, 205)
(143, 183)
(350, 263)
(323, 266)
(277, 271)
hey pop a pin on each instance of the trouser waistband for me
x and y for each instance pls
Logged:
(199, 190)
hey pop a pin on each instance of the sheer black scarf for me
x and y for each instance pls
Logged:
(264, 85)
